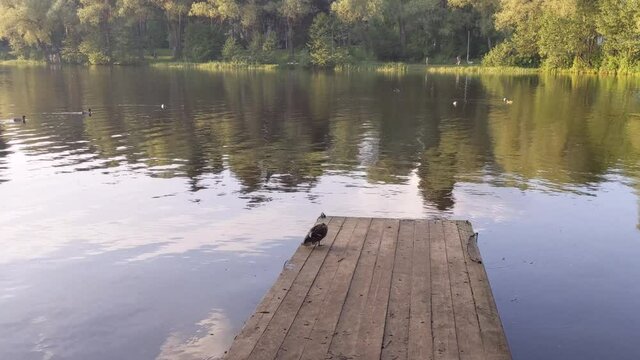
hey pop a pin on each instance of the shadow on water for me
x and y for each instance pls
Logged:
(195, 189)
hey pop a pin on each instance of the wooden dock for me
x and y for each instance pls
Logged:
(379, 289)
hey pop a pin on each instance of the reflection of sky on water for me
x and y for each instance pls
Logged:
(141, 234)
(116, 306)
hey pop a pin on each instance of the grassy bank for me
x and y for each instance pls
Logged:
(21, 62)
(478, 69)
(374, 66)
(513, 70)
(215, 66)
(392, 68)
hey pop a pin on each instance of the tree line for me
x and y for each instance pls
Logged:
(554, 33)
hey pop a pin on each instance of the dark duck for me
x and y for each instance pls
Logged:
(316, 234)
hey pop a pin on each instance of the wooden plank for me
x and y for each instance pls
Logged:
(268, 344)
(493, 336)
(420, 337)
(464, 310)
(369, 344)
(318, 342)
(396, 330)
(343, 345)
(444, 333)
(316, 299)
(254, 327)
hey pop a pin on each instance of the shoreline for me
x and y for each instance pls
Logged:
(382, 67)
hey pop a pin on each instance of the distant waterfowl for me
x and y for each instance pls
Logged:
(455, 103)
(162, 106)
(323, 216)
(316, 234)
(88, 112)
(23, 119)
(507, 101)
(396, 90)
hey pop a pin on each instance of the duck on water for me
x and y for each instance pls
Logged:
(23, 120)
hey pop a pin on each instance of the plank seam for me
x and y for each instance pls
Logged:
(229, 353)
(314, 278)
(413, 248)
(429, 225)
(473, 295)
(393, 265)
(433, 333)
(453, 308)
(411, 289)
(328, 290)
(354, 271)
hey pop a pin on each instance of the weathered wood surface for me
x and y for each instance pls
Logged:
(379, 289)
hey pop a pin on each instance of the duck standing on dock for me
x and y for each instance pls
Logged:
(316, 234)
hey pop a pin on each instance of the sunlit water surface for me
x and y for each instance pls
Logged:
(143, 233)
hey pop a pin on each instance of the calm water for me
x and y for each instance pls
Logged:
(142, 233)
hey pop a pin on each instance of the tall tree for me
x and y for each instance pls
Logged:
(98, 18)
(136, 13)
(293, 11)
(32, 24)
(567, 32)
(176, 12)
(619, 24)
(486, 10)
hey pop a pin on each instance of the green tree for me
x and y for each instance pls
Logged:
(567, 33)
(269, 46)
(355, 11)
(176, 12)
(231, 49)
(203, 42)
(98, 18)
(293, 11)
(520, 21)
(216, 10)
(135, 15)
(33, 28)
(321, 44)
(618, 22)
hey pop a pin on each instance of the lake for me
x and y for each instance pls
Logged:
(150, 233)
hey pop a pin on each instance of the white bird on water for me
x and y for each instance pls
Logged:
(455, 103)
(162, 107)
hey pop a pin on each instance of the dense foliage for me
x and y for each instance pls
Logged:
(578, 34)
(563, 34)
